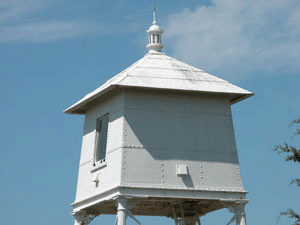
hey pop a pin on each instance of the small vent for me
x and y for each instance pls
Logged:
(181, 170)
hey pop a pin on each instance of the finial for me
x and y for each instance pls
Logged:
(154, 33)
(154, 21)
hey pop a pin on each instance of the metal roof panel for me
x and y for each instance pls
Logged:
(157, 70)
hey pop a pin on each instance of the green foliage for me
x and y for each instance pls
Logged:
(295, 181)
(292, 151)
(291, 214)
(293, 154)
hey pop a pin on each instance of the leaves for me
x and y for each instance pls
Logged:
(295, 181)
(293, 154)
(297, 132)
(291, 214)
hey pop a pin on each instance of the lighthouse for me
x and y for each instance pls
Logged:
(158, 140)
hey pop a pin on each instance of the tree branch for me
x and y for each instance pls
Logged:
(295, 121)
(295, 181)
(294, 152)
(297, 132)
(291, 214)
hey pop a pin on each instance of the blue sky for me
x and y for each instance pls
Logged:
(54, 52)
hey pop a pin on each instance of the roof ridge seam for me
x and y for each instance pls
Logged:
(133, 67)
(174, 59)
(194, 70)
(222, 81)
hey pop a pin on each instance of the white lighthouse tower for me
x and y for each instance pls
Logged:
(159, 141)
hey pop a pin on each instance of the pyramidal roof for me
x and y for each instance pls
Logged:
(156, 70)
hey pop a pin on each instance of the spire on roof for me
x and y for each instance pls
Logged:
(154, 21)
(154, 33)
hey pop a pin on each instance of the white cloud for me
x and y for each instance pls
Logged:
(14, 11)
(238, 37)
(17, 23)
(47, 31)
(30, 21)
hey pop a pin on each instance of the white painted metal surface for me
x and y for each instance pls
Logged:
(170, 148)
(158, 71)
(161, 145)
(154, 33)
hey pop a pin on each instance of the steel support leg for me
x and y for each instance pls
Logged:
(122, 208)
(199, 223)
(238, 209)
(241, 215)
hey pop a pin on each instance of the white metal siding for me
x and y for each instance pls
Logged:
(164, 130)
(109, 175)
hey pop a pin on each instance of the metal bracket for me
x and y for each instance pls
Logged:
(238, 208)
(81, 217)
(132, 216)
(88, 219)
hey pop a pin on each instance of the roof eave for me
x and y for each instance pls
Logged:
(240, 98)
(80, 106)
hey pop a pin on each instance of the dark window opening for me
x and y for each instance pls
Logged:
(101, 138)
